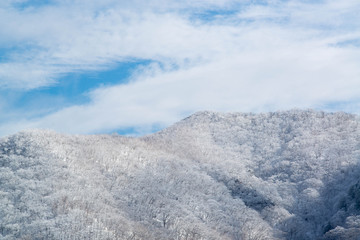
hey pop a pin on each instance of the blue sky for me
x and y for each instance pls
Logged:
(136, 67)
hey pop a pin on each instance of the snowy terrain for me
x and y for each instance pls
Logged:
(282, 175)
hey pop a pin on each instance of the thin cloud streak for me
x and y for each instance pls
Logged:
(166, 97)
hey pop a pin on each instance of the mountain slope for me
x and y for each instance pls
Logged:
(283, 175)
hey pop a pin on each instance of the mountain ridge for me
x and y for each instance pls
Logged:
(283, 175)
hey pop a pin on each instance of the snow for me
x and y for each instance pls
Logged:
(282, 175)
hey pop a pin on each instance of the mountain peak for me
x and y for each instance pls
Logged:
(281, 175)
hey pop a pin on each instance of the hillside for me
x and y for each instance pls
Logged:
(282, 175)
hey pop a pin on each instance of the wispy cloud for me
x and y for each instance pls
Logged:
(253, 56)
(66, 37)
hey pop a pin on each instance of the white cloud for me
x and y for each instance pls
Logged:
(251, 82)
(265, 57)
(78, 36)
(65, 38)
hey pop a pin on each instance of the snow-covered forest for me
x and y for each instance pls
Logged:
(283, 175)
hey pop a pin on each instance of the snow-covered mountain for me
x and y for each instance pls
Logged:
(282, 175)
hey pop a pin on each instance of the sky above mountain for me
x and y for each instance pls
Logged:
(134, 67)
